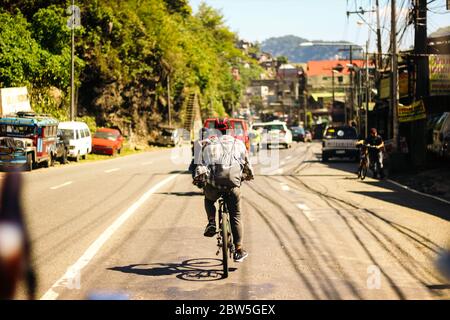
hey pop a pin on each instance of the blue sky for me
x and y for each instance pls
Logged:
(257, 20)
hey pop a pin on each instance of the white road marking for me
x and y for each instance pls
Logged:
(284, 187)
(147, 163)
(288, 157)
(306, 211)
(89, 254)
(278, 171)
(112, 170)
(61, 185)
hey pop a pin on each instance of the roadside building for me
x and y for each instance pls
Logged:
(324, 84)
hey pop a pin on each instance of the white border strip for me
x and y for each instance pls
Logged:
(84, 260)
(418, 192)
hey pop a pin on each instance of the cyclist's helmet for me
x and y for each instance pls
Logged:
(222, 125)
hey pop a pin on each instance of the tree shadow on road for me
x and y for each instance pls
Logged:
(201, 269)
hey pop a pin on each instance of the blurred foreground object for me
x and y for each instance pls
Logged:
(443, 264)
(15, 247)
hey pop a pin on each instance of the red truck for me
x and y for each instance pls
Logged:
(239, 128)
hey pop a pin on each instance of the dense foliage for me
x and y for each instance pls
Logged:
(127, 51)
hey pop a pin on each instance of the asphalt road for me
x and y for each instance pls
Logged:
(134, 226)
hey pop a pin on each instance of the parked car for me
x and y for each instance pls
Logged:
(298, 134)
(61, 151)
(79, 137)
(275, 133)
(308, 136)
(27, 140)
(340, 142)
(441, 131)
(169, 137)
(238, 129)
(107, 141)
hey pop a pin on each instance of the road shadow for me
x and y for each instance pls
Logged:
(179, 172)
(201, 269)
(183, 194)
(393, 194)
(404, 198)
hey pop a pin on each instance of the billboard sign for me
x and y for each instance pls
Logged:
(439, 74)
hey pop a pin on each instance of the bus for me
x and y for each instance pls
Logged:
(27, 140)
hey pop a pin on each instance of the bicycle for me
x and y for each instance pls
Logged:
(363, 163)
(224, 236)
(367, 163)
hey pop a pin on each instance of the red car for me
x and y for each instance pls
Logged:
(107, 141)
(239, 129)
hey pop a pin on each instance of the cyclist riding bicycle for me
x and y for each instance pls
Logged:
(224, 165)
(375, 153)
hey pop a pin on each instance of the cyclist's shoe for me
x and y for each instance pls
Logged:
(210, 230)
(240, 255)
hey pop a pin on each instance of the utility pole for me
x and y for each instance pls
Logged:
(418, 147)
(379, 48)
(72, 76)
(367, 91)
(332, 88)
(352, 98)
(168, 101)
(73, 22)
(394, 78)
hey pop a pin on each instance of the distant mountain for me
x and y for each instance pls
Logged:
(445, 31)
(289, 46)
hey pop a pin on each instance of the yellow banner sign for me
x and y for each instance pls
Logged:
(415, 111)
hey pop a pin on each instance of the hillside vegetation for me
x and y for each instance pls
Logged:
(125, 51)
(289, 46)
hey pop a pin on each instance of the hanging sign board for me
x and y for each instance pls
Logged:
(415, 111)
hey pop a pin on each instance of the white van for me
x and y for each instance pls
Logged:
(275, 133)
(78, 136)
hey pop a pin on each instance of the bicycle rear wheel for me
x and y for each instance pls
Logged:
(225, 243)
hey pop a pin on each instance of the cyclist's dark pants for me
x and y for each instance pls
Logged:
(376, 156)
(233, 201)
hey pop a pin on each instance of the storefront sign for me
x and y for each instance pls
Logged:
(439, 75)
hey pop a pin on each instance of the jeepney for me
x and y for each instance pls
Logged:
(26, 140)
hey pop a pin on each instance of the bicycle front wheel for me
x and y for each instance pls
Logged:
(225, 243)
(363, 172)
